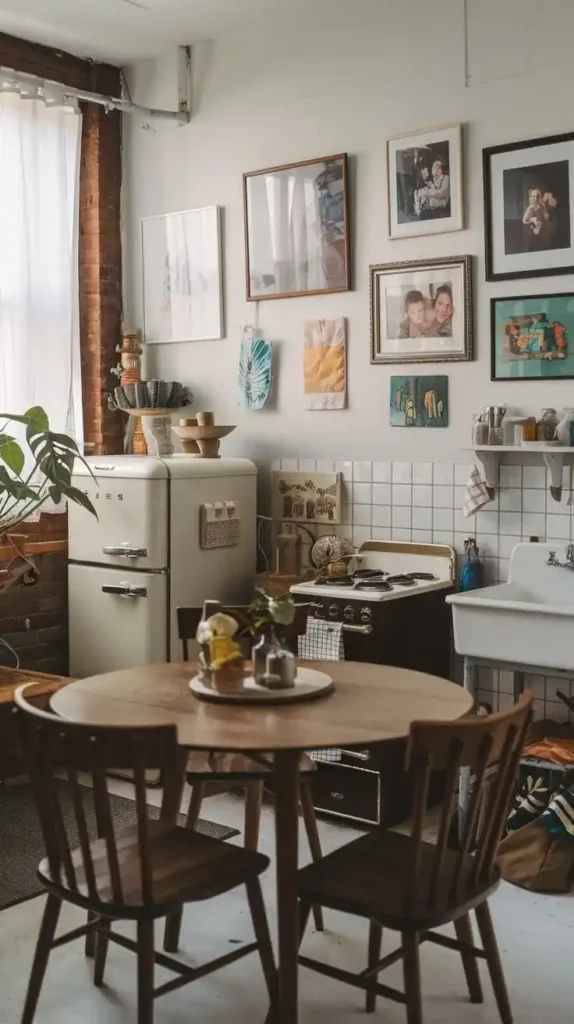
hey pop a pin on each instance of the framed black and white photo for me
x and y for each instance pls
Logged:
(421, 311)
(297, 229)
(182, 278)
(424, 182)
(529, 208)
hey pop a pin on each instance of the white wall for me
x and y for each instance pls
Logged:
(342, 77)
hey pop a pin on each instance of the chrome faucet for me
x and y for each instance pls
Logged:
(568, 564)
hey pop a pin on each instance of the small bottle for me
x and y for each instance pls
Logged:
(529, 429)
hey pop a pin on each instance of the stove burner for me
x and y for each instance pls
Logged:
(335, 581)
(367, 574)
(373, 584)
(402, 580)
(421, 576)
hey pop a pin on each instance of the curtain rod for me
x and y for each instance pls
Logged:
(180, 116)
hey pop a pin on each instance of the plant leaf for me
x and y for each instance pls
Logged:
(55, 494)
(80, 499)
(37, 418)
(11, 453)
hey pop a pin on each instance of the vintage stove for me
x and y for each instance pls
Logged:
(393, 612)
(391, 603)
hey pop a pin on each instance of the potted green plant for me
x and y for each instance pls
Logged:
(29, 480)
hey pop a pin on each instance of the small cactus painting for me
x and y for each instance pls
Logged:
(306, 497)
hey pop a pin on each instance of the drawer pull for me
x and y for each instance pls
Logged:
(364, 630)
(337, 796)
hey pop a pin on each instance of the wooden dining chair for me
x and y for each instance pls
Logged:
(140, 873)
(412, 886)
(206, 767)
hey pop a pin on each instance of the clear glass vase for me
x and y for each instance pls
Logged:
(274, 665)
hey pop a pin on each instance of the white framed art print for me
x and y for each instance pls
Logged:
(182, 282)
(424, 182)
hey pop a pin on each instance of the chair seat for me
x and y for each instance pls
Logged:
(213, 766)
(369, 877)
(185, 866)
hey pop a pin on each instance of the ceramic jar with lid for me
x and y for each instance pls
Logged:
(546, 425)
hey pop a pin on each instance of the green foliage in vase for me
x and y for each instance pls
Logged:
(28, 481)
(271, 612)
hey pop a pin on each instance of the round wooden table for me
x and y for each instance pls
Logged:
(370, 704)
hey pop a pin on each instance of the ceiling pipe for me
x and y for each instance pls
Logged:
(181, 116)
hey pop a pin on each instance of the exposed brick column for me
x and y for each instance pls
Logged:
(100, 270)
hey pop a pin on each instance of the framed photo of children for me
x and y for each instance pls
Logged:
(424, 182)
(533, 337)
(421, 311)
(529, 208)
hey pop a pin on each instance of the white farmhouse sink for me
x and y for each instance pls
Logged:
(527, 621)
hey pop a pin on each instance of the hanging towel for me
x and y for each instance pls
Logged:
(323, 641)
(476, 494)
(324, 368)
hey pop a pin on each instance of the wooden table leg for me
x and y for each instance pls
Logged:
(286, 833)
(470, 674)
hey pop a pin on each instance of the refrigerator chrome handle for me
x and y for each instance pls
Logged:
(125, 551)
(129, 590)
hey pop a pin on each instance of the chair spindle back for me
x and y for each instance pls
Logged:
(188, 620)
(490, 748)
(56, 749)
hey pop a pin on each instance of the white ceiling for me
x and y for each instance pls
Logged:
(124, 30)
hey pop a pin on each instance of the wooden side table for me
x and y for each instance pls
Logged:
(12, 762)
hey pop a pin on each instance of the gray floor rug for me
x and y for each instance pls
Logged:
(22, 847)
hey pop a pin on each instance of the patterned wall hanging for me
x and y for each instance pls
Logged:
(324, 364)
(255, 364)
(306, 497)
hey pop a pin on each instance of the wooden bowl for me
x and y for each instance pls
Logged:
(207, 439)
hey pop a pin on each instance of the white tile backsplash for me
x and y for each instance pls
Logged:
(443, 519)
(381, 494)
(290, 465)
(398, 533)
(422, 495)
(402, 472)
(423, 536)
(443, 473)
(361, 534)
(382, 472)
(381, 515)
(487, 522)
(462, 471)
(422, 472)
(325, 465)
(533, 500)
(510, 523)
(511, 500)
(533, 476)
(533, 525)
(443, 497)
(362, 515)
(558, 527)
(307, 465)
(401, 516)
(362, 470)
(422, 518)
(362, 493)
(402, 494)
(511, 476)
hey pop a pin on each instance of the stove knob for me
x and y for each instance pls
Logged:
(348, 613)
(366, 615)
(320, 611)
(333, 611)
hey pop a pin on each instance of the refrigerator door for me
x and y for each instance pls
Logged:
(117, 619)
(130, 495)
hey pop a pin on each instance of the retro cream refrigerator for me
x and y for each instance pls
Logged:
(169, 532)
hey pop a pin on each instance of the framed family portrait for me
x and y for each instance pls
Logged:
(297, 229)
(424, 182)
(182, 278)
(529, 208)
(533, 337)
(421, 311)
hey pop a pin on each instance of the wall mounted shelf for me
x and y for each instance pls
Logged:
(553, 456)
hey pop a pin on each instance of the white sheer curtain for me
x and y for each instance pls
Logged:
(39, 279)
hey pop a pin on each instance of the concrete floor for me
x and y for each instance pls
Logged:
(535, 936)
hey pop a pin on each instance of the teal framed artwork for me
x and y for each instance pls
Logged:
(419, 401)
(532, 337)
